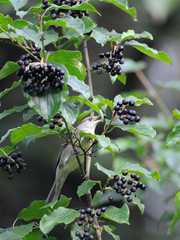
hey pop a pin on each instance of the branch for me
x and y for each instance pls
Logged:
(88, 68)
(88, 159)
(153, 93)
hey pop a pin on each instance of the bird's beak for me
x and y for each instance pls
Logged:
(96, 118)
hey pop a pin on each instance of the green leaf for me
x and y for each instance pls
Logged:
(138, 102)
(49, 36)
(70, 112)
(176, 217)
(20, 23)
(79, 86)
(131, 34)
(45, 132)
(105, 101)
(101, 35)
(75, 24)
(109, 173)
(136, 128)
(60, 215)
(123, 5)
(122, 78)
(137, 202)
(118, 215)
(37, 9)
(27, 116)
(38, 209)
(7, 90)
(71, 60)
(85, 187)
(97, 197)
(17, 233)
(88, 103)
(81, 7)
(174, 137)
(176, 114)
(34, 211)
(51, 238)
(9, 68)
(89, 24)
(17, 4)
(5, 1)
(5, 21)
(6, 135)
(109, 230)
(133, 66)
(49, 104)
(144, 48)
(18, 134)
(36, 234)
(137, 169)
(31, 33)
(7, 150)
(13, 110)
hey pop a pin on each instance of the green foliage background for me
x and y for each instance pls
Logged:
(161, 18)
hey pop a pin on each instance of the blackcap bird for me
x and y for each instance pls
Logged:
(67, 161)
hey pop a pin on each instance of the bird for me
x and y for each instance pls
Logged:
(67, 161)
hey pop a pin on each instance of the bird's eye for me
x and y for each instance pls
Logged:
(90, 119)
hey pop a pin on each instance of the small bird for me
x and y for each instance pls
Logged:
(67, 161)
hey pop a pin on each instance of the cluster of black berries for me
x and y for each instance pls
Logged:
(7, 163)
(87, 217)
(127, 186)
(39, 78)
(59, 13)
(55, 121)
(124, 114)
(111, 62)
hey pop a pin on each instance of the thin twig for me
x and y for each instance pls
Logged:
(154, 94)
(74, 148)
(16, 41)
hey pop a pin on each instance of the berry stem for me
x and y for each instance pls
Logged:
(16, 41)
(42, 37)
(153, 93)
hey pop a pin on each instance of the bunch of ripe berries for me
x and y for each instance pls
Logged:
(111, 61)
(59, 13)
(126, 186)
(39, 78)
(10, 162)
(86, 218)
(124, 114)
(56, 121)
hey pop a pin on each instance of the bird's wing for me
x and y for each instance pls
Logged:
(64, 154)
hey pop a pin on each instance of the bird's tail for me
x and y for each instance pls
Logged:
(55, 191)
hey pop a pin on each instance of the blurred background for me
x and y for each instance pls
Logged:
(162, 19)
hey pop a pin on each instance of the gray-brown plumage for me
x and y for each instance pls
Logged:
(67, 161)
